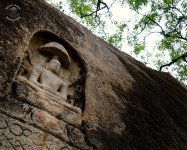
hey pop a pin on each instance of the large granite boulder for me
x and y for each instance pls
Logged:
(63, 88)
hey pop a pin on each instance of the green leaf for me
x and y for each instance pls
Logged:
(86, 9)
(136, 4)
(168, 1)
(138, 49)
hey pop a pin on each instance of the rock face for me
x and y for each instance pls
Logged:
(62, 88)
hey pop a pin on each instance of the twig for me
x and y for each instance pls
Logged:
(148, 35)
(183, 56)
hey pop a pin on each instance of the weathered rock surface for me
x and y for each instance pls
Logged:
(100, 99)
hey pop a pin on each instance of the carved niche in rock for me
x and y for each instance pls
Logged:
(55, 74)
(45, 75)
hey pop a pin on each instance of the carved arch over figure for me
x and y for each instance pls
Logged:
(45, 47)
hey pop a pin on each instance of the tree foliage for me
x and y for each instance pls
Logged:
(167, 18)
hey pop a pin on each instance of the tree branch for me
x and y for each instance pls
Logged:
(173, 7)
(163, 32)
(98, 8)
(169, 33)
(144, 39)
(183, 56)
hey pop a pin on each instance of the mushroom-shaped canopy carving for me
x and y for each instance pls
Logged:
(58, 50)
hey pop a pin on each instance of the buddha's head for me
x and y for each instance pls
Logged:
(54, 65)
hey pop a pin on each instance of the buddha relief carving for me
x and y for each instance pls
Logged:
(47, 77)
(56, 77)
